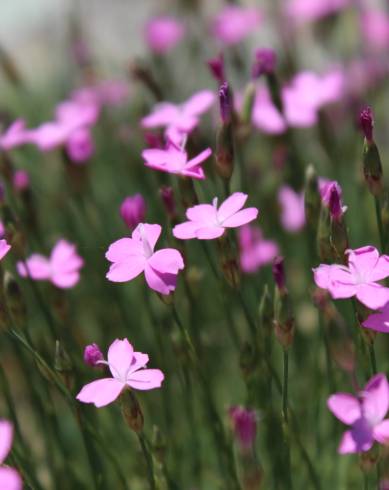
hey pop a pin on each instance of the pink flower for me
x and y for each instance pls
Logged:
(80, 146)
(133, 210)
(375, 28)
(163, 33)
(365, 414)
(127, 369)
(21, 180)
(331, 196)
(207, 222)
(4, 248)
(245, 426)
(255, 251)
(235, 23)
(359, 279)
(62, 268)
(179, 120)
(174, 160)
(103, 93)
(9, 477)
(132, 256)
(292, 209)
(15, 135)
(378, 321)
(308, 10)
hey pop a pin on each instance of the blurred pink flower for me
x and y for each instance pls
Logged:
(375, 28)
(132, 256)
(128, 371)
(4, 247)
(9, 477)
(62, 268)
(80, 146)
(359, 278)
(365, 414)
(21, 180)
(133, 210)
(235, 23)
(179, 120)
(103, 93)
(244, 425)
(207, 222)
(311, 10)
(15, 135)
(255, 251)
(292, 209)
(174, 159)
(163, 33)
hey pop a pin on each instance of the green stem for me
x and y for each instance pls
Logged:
(148, 460)
(285, 386)
(379, 223)
(373, 361)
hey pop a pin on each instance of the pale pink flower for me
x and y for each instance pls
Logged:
(359, 278)
(365, 414)
(80, 146)
(174, 159)
(244, 423)
(132, 256)
(307, 10)
(375, 28)
(133, 210)
(207, 221)
(378, 321)
(4, 246)
(234, 23)
(163, 33)
(292, 209)
(62, 268)
(255, 251)
(128, 371)
(15, 135)
(103, 93)
(9, 477)
(179, 120)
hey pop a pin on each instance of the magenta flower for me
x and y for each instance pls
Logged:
(62, 268)
(292, 209)
(174, 159)
(255, 251)
(80, 146)
(128, 371)
(207, 222)
(163, 33)
(378, 321)
(4, 246)
(307, 11)
(245, 426)
(16, 135)
(9, 477)
(365, 414)
(375, 28)
(359, 279)
(132, 256)
(235, 23)
(133, 210)
(179, 120)
(93, 355)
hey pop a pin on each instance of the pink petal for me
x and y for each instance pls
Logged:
(376, 399)
(64, 258)
(120, 356)
(363, 260)
(65, 280)
(322, 276)
(101, 392)
(209, 233)
(146, 379)
(124, 249)
(266, 116)
(199, 102)
(349, 444)
(163, 114)
(381, 270)
(10, 479)
(6, 436)
(381, 432)
(345, 407)
(151, 233)
(202, 214)
(292, 209)
(37, 267)
(162, 282)
(193, 173)
(139, 360)
(373, 295)
(378, 321)
(231, 205)
(194, 162)
(4, 248)
(155, 156)
(241, 218)
(126, 270)
(185, 231)
(166, 260)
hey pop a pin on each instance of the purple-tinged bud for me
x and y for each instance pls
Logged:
(244, 423)
(167, 197)
(225, 100)
(335, 203)
(367, 123)
(264, 63)
(279, 273)
(93, 354)
(216, 67)
(133, 210)
(21, 180)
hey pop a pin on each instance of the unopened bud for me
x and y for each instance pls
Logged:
(225, 99)
(216, 67)
(265, 62)
(372, 167)
(133, 210)
(279, 273)
(92, 355)
(225, 151)
(244, 424)
(366, 123)
(131, 411)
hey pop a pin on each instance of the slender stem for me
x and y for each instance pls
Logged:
(373, 361)
(149, 461)
(285, 386)
(379, 223)
(365, 481)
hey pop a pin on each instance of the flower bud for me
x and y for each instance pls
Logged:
(167, 196)
(335, 204)
(216, 67)
(372, 167)
(21, 180)
(133, 210)
(224, 162)
(244, 424)
(265, 62)
(131, 411)
(279, 273)
(225, 99)
(367, 123)
(283, 318)
(93, 354)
